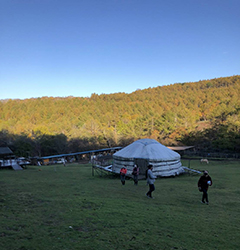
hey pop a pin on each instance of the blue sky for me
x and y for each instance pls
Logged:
(66, 48)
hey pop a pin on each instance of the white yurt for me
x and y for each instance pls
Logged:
(143, 152)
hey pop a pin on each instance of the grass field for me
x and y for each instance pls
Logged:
(64, 208)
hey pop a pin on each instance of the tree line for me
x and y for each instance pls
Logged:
(205, 114)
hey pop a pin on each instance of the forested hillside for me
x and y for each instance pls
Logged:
(205, 114)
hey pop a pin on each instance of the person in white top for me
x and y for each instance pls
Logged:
(150, 181)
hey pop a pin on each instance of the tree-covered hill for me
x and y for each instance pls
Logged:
(204, 113)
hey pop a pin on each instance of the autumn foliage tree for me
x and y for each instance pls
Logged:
(181, 113)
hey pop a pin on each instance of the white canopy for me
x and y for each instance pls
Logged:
(148, 149)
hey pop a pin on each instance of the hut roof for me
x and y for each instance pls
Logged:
(5, 151)
(180, 148)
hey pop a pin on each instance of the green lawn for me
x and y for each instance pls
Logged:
(68, 208)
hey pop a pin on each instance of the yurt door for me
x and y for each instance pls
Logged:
(142, 164)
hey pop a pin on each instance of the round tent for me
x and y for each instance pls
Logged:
(143, 152)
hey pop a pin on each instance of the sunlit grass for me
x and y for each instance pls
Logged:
(59, 207)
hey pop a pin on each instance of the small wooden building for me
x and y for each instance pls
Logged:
(5, 153)
(7, 159)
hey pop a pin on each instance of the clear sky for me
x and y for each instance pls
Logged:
(79, 47)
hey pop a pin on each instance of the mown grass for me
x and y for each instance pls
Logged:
(68, 208)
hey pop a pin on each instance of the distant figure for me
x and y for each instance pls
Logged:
(64, 162)
(123, 172)
(204, 160)
(150, 181)
(204, 182)
(135, 174)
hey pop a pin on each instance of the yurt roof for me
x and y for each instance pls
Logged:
(147, 149)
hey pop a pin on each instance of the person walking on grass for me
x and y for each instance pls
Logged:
(204, 182)
(135, 174)
(150, 181)
(123, 172)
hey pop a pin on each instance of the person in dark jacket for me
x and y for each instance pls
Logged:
(135, 174)
(204, 182)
